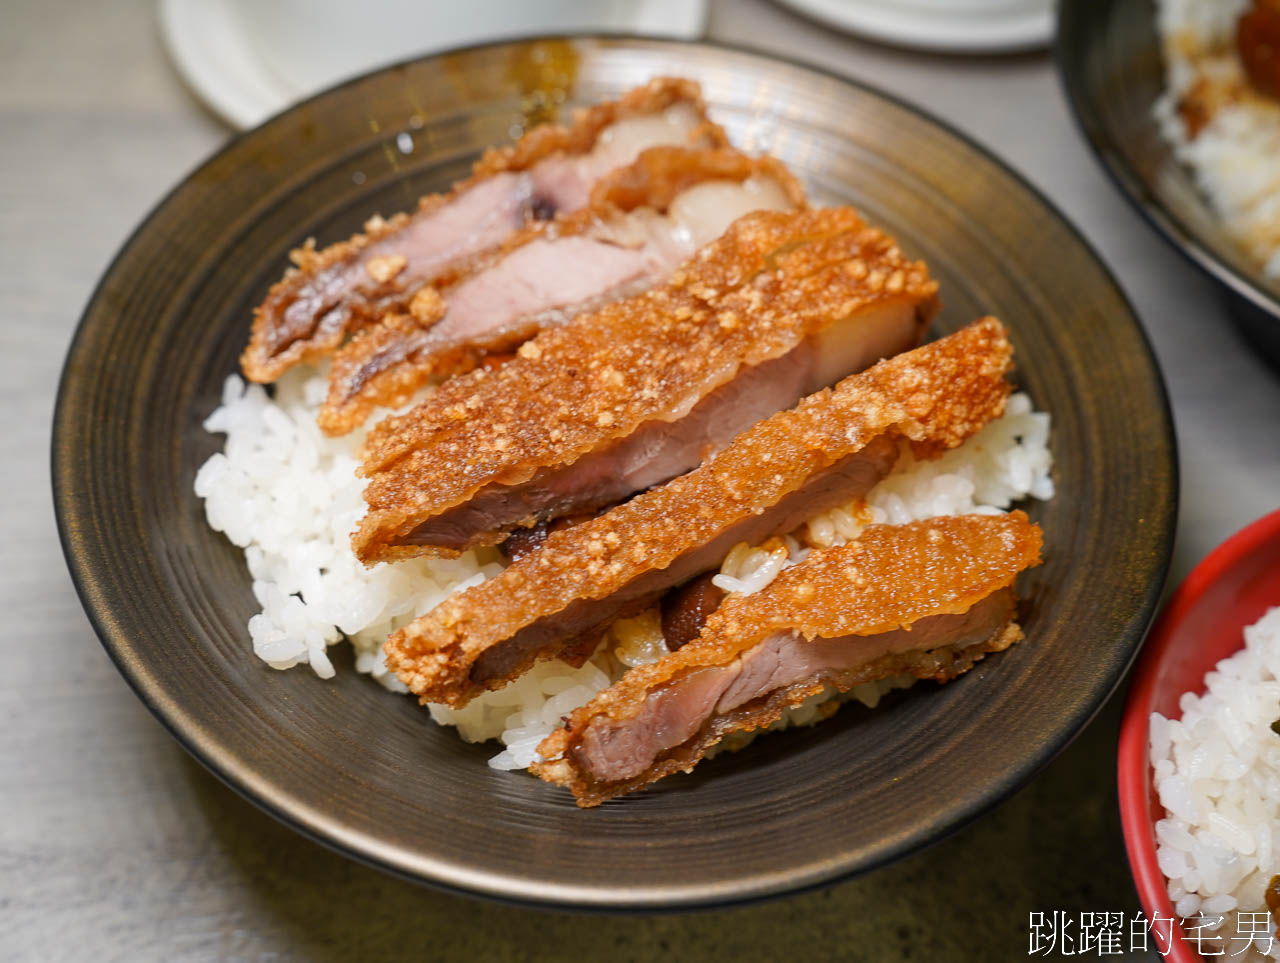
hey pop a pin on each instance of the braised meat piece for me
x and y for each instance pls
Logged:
(1258, 42)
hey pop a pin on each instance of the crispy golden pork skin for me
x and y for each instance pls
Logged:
(642, 222)
(330, 293)
(828, 450)
(627, 397)
(929, 599)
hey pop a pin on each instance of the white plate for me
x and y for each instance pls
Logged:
(248, 60)
(951, 26)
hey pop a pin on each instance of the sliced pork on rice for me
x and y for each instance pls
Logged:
(627, 397)
(642, 222)
(333, 292)
(626, 311)
(928, 599)
(832, 448)
(288, 495)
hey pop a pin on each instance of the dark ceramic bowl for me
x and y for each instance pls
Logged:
(1110, 63)
(366, 771)
(1202, 624)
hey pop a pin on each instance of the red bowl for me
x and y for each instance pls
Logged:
(1201, 624)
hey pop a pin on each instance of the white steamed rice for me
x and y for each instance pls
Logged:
(288, 495)
(1217, 773)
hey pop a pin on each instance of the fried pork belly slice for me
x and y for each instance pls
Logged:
(643, 221)
(929, 598)
(624, 398)
(330, 293)
(833, 447)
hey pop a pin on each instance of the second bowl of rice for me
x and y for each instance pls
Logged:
(1199, 760)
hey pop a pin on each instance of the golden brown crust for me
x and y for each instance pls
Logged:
(940, 665)
(755, 294)
(891, 577)
(265, 359)
(936, 395)
(660, 173)
(653, 180)
(580, 135)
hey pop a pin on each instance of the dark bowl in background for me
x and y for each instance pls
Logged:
(366, 771)
(1111, 67)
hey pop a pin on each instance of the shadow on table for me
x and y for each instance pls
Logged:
(1055, 846)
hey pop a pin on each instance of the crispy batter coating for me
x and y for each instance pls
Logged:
(891, 577)
(661, 173)
(273, 349)
(770, 282)
(383, 364)
(936, 396)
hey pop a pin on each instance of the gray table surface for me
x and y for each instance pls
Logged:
(116, 846)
